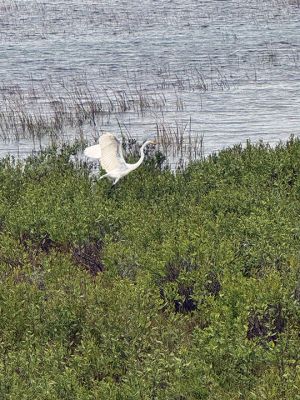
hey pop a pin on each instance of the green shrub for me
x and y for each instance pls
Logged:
(167, 286)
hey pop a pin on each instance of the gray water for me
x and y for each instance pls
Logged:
(224, 70)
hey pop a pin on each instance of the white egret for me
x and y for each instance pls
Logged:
(109, 152)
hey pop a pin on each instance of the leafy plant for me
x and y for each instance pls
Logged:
(167, 286)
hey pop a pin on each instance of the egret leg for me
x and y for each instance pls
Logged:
(116, 181)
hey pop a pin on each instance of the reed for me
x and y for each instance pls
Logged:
(78, 108)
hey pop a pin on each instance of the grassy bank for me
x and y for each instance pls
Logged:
(167, 286)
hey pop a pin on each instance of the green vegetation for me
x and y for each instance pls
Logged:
(166, 286)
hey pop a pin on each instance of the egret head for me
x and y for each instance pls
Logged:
(151, 141)
(149, 138)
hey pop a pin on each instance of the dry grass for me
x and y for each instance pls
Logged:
(42, 111)
(51, 111)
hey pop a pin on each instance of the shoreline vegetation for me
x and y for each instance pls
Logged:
(48, 114)
(168, 286)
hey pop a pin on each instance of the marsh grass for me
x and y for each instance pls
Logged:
(167, 286)
(58, 110)
(179, 143)
(43, 112)
(61, 114)
(49, 109)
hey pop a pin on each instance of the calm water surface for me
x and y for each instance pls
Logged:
(227, 70)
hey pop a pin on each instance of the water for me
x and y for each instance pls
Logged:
(224, 70)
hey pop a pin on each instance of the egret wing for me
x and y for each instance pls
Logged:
(111, 153)
(93, 151)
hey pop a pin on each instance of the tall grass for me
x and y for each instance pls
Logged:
(45, 111)
(61, 113)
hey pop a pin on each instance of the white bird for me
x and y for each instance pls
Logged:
(109, 152)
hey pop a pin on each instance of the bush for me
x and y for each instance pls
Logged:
(168, 286)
